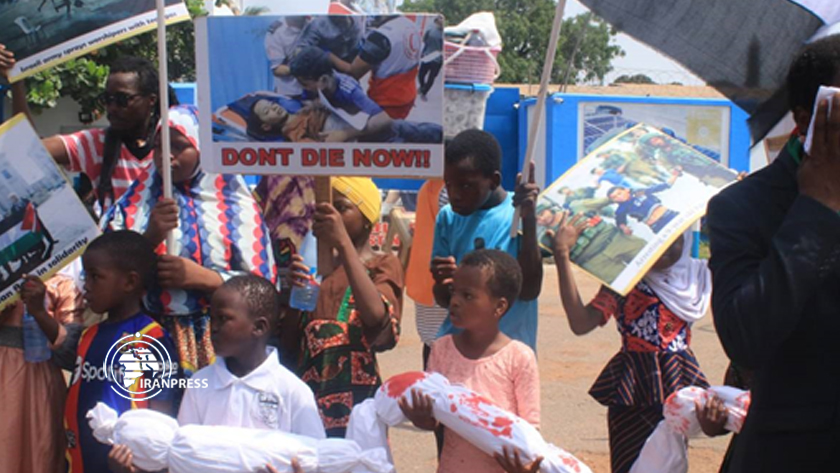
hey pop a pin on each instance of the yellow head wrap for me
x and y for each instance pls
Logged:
(363, 193)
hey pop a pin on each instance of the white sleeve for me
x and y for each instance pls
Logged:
(188, 413)
(275, 51)
(306, 420)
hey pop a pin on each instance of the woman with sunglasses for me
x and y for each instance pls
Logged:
(112, 157)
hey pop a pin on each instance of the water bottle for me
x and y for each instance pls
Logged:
(305, 298)
(36, 347)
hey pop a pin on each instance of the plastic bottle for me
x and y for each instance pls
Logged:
(305, 298)
(36, 347)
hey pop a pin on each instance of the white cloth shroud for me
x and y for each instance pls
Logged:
(157, 442)
(465, 412)
(666, 450)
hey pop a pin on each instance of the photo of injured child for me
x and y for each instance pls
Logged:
(331, 79)
(637, 193)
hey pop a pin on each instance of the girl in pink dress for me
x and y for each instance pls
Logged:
(480, 357)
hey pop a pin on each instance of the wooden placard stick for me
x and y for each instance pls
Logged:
(323, 193)
(548, 65)
(163, 103)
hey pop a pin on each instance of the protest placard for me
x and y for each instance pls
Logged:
(297, 95)
(43, 224)
(45, 33)
(638, 192)
(288, 7)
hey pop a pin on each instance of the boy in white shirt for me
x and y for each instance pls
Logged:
(246, 386)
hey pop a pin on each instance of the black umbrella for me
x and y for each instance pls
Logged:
(743, 48)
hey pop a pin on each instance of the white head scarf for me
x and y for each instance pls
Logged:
(685, 287)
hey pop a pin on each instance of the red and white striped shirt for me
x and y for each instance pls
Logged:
(85, 150)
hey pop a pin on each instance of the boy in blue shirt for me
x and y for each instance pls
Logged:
(314, 71)
(642, 205)
(119, 267)
(480, 215)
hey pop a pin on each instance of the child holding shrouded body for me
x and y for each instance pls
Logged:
(654, 320)
(119, 268)
(246, 386)
(481, 357)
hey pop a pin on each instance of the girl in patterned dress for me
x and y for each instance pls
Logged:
(358, 309)
(219, 233)
(654, 321)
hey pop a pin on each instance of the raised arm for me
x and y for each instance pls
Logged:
(19, 105)
(329, 228)
(56, 148)
(530, 259)
(443, 264)
(582, 318)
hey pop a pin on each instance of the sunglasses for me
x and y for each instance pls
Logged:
(120, 98)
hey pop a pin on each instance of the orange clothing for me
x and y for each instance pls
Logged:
(418, 275)
(306, 125)
(398, 112)
(397, 91)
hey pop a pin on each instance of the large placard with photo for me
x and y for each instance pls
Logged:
(43, 224)
(318, 95)
(638, 192)
(45, 33)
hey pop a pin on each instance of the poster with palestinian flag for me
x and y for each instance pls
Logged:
(43, 224)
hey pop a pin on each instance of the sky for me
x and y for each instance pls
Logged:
(639, 57)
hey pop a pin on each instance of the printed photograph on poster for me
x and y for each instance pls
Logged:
(706, 128)
(43, 224)
(321, 95)
(45, 33)
(638, 192)
(286, 7)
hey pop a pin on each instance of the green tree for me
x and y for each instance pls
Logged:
(634, 79)
(83, 78)
(585, 47)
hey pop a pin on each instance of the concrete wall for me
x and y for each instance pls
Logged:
(64, 118)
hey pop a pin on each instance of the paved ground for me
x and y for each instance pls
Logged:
(568, 366)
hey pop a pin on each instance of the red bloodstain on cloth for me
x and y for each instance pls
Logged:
(504, 426)
(477, 405)
(397, 385)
